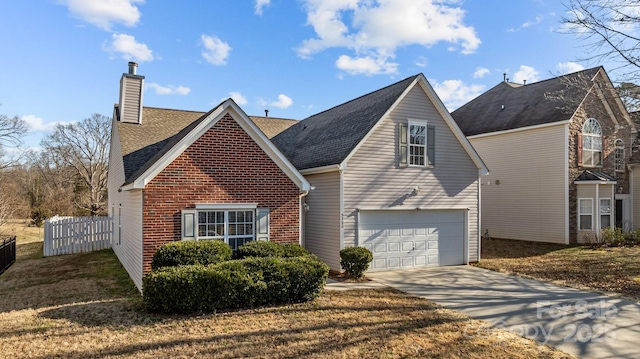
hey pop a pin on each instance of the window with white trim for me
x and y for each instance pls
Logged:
(417, 143)
(619, 155)
(591, 143)
(235, 226)
(585, 213)
(605, 212)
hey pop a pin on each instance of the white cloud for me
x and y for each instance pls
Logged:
(455, 93)
(421, 62)
(105, 13)
(373, 30)
(238, 98)
(366, 65)
(168, 90)
(129, 48)
(261, 4)
(527, 24)
(526, 73)
(480, 72)
(569, 67)
(215, 50)
(283, 102)
(530, 23)
(36, 124)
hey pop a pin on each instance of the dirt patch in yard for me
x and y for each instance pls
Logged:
(613, 271)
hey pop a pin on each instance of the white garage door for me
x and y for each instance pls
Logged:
(405, 239)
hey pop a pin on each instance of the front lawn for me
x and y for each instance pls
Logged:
(612, 271)
(84, 306)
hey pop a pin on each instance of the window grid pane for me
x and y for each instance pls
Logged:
(209, 226)
(417, 144)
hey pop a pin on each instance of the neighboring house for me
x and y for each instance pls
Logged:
(181, 175)
(390, 171)
(559, 152)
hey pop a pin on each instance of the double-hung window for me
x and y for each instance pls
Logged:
(605, 212)
(417, 142)
(235, 226)
(619, 155)
(585, 213)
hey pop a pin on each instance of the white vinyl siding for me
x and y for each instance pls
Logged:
(131, 99)
(127, 215)
(322, 220)
(129, 251)
(373, 180)
(524, 196)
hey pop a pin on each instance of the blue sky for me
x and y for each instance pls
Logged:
(62, 59)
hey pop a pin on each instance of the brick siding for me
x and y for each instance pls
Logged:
(223, 166)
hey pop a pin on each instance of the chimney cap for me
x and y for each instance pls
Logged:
(132, 67)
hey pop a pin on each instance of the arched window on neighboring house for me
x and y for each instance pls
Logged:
(590, 151)
(619, 155)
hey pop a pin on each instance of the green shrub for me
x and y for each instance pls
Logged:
(294, 250)
(234, 284)
(632, 238)
(191, 252)
(355, 260)
(259, 249)
(270, 249)
(613, 236)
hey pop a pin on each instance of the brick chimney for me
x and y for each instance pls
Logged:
(131, 91)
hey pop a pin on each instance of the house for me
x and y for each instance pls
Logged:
(390, 171)
(182, 175)
(559, 154)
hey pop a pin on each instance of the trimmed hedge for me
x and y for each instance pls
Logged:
(355, 260)
(270, 249)
(191, 252)
(234, 284)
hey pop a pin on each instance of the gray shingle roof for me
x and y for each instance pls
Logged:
(594, 176)
(142, 145)
(328, 137)
(509, 106)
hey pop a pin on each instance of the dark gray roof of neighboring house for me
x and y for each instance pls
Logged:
(328, 137)
(594, 176)
(509, 106)
(161, 129)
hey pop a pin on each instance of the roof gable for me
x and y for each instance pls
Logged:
(146, 161)
(328, 137)
(333, 136)
(509, 106)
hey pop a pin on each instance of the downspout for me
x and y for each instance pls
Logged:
(479, 237)
(301, 220)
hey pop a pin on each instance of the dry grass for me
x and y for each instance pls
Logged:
(84, 306)
(612, 271)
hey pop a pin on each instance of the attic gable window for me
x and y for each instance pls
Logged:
(590, 143)
(416, 144)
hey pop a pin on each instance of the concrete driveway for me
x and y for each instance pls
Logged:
(584, 324)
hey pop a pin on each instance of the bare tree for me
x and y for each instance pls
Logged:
(84, 146)
(611, 30)
(12, 129)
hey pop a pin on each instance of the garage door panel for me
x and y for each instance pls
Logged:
(403, 239)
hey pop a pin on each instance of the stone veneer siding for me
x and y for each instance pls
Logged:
(594, 108)
(224, 165)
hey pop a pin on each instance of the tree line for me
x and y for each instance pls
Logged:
(66, 176)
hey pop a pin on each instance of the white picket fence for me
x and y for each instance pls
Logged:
(67, 235)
